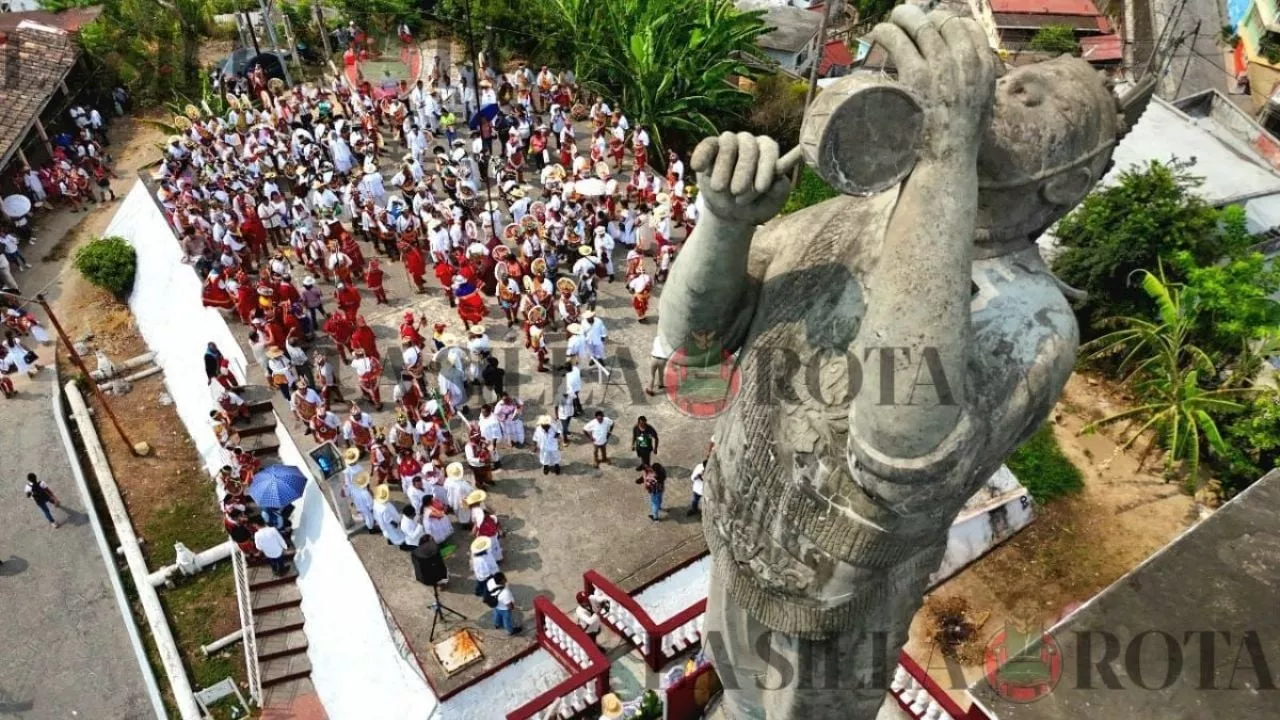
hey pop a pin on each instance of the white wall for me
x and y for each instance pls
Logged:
(166, 305)
(1001, 508)
(356, 669)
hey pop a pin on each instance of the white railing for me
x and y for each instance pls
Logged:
(245, 602)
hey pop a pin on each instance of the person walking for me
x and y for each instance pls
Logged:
(271, 544)
(644, 441)
(43, 496)
(504, 611)
(548, 439)
(654, 479)
(598, 431)
(696, 477)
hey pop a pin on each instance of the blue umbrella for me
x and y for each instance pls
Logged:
(275, 486)
(488, 112)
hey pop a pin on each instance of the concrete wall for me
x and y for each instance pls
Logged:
(357, 668)
(1001, 508)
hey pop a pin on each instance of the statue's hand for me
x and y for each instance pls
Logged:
(946, 60)
(737, 178)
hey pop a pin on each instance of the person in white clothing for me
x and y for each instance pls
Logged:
(412, 529)
(483, 566)
(362, 499)
(598, 431)
(456, 490)
(596, 333)
(272, 545)
(698, 471)
(491, 431)
(510, 413)
(438, 525)
(388, 516)
(548, 440)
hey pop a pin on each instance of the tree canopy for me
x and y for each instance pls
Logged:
(1055, 39)
(667, 64)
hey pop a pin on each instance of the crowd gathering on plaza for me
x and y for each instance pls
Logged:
(295, 205)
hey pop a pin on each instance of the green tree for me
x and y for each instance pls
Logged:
(1149, 215)
(139, 40)
(1232, 297)
(108, 262)
(1166, 371)
(1253, 440)
(1055, 39)
(667, 62)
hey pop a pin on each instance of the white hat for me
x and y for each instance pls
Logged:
(454, 470)
(574, 329)
(370, 168)
(459, 154)
(543, 420)
(481, 545)
(588, 314)
(476, 330)
(433, 223)
(308, 281)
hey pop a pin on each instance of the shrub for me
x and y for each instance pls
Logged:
(811, 190)
(1055, 39)
(1043, 469)
(109, 263)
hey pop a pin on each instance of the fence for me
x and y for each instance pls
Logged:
(245, 602)
(921, 698)
(658, 643)
(587, 666)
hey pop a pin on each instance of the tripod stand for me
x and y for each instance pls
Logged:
(440, 610)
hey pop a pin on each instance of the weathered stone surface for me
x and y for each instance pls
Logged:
(892, 350)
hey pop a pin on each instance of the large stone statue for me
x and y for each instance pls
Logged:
(893, 349)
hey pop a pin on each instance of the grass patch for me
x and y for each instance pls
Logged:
(1043, 469)
(193, 521)
(811, 190)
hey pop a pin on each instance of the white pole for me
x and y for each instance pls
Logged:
(108, 558)
(166, 647)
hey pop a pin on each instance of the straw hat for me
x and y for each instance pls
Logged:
(476, 330)
(454, 470)
(449, 339)
(517, 193)
(362, 480)
(610, 707)
(481, 545)
(274, 352)
(475, 498)
(433, 223)
(663, 198)
(586, 251)
(543, 420)
(351, 456)
(574, 329)
(382, 494)
(588, 314)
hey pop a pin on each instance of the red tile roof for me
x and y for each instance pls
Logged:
(835, 54)
(1045, 7)
(1102, 48)
(70, 20)
(33, 60)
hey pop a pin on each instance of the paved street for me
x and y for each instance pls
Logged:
(64, 652)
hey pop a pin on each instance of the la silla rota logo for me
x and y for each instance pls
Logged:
(702, 380)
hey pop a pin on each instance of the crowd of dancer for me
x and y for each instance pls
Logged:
(295, 204)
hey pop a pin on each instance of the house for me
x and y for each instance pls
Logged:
(1017, 22)
(792, 41)
(836, 60)
(35, 60)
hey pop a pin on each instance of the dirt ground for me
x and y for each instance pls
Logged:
(168, 494)
(1076, 547)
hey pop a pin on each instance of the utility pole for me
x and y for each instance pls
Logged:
(139, 449)
(248, 21)
(813, 76)
(475, 87)
(324, 32)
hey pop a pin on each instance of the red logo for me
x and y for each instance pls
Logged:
(1022, 667)
(704, 382)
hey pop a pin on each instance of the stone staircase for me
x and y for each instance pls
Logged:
(283, 666)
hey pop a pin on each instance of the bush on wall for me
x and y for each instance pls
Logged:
(109, 263)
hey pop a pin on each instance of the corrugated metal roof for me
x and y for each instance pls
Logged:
(1102, 48)
(1045, 7)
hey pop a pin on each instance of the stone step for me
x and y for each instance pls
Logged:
(257, 424)
(257, 397)
(281, 644)
(278, 622)
(284, 669)
(276, 597)
(261, 577)
(261, 562)
(261, 445)
(294, 699)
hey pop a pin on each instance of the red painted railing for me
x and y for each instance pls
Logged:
(587, 666)
(918, 694)
(658, 643)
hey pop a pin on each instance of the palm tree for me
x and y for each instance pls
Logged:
(1165, 369)
(667, 64)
